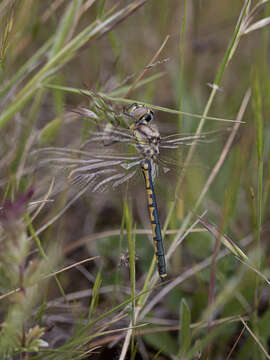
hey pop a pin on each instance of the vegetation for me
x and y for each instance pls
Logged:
(78, 277)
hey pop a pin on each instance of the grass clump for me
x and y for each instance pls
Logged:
(67, 65)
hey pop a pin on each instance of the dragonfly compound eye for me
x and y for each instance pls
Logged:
(141, 113)
(148, 117)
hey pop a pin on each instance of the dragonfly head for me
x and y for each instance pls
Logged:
(140, 113)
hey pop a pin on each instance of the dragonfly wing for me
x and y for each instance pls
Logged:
(176, 139)
(97, 172)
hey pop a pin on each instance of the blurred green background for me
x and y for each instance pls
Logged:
(215, 63)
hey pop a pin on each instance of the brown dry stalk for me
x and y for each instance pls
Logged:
(148, 66)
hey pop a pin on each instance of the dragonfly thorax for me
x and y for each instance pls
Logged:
(147, 136)
(147, 140)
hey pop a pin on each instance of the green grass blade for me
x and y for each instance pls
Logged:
(185, 332)
(132, 257)
(65, 26)
(257, 108)
(42, 252)
(95, 295)
(65, 54)
(258, 111)
(181, 80)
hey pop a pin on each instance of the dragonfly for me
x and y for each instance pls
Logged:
(98, 170)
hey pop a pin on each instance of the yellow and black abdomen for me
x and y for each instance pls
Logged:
(154, 218)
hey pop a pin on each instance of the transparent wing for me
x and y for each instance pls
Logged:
(108, 135)
(175, 147)
(109, 157)
(92, 171)
(174, 141)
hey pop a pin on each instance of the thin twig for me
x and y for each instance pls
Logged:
(255, 338)
(105, 234)
(70, 267)
(147, 67)
(51, 274)
(43, 202)
(235, 343)
(226, 147)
